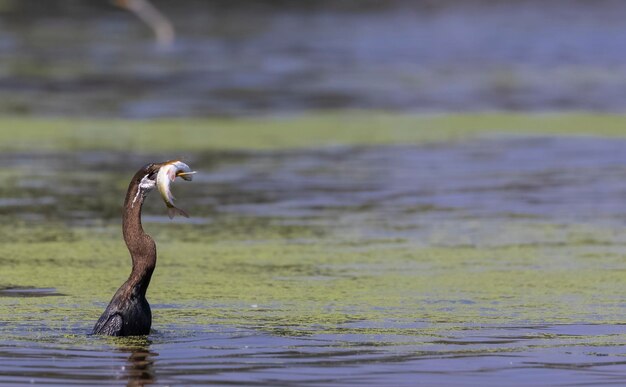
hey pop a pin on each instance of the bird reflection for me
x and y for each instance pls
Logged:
(139, 370)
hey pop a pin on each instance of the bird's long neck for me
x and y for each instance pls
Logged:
(141, 246)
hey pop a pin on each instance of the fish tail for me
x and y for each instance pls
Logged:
(171, 211)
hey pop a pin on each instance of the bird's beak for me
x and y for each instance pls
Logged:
(186, 175)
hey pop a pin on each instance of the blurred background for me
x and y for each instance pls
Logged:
(259, 57)
(387, 191)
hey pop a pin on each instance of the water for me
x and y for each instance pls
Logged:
(522, 355)
(258, 58)
(465, 263)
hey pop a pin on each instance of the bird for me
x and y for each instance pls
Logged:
(128, 313)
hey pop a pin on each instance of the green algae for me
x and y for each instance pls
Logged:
(347, 128)
(321, 285)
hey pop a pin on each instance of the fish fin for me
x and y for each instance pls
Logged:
(171, 173)
(171, 211)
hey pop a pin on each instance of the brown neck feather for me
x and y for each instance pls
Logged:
(141, 246)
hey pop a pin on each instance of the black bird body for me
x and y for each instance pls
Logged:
(128, 313)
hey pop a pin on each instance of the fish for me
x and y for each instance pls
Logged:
(166, 175)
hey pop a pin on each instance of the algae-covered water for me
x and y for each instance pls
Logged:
(450, 260)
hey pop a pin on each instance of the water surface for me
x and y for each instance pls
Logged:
(68, 59)
(471, 262)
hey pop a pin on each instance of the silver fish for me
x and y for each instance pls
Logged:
(166, 175)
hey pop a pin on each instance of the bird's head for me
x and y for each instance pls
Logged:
(150, 171)
(146, 177)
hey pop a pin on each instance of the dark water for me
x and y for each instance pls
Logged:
(257, 58)
(544, 355)
(560, 198)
